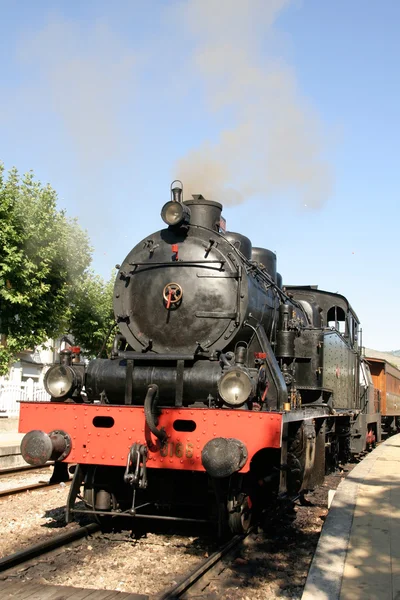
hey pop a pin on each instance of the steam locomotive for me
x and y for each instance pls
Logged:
(224, 390)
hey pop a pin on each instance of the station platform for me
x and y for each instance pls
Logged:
(10, 441)
(10, 452)
(358, 554)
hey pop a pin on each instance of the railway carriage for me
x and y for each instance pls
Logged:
(386, 381)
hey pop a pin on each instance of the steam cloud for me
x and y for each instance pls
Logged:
(275, 142)
(268, 139)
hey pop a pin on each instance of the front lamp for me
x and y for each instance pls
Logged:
(174, 213)
(235, 386)
(60, 381)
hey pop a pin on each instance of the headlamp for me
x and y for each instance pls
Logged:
(175, 213)
(235, 386)
(60, 381)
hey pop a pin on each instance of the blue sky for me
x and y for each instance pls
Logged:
(109, 102)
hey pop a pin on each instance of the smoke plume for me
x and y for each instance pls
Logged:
(273, 142)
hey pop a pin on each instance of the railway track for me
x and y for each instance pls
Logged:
(24, 469)
(176, 591)
(12, 589)
(22, 556)
(191, 584)
(28, 488)
(194, 576)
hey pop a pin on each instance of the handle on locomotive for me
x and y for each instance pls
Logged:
(150, 413)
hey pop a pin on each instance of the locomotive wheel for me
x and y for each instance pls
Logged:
(240, 520)
(90, 493)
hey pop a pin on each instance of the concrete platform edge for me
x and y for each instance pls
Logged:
(325, 576)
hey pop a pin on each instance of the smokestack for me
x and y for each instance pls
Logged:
(204, 213)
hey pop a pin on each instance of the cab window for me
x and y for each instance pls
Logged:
(337, 319)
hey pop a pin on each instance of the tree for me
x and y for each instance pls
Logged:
(43, 256)
(91, 317)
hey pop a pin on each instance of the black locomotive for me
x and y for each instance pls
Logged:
(223, 390)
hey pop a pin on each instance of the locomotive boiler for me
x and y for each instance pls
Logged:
(223, 390)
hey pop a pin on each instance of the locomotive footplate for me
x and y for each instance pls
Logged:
(104, 434)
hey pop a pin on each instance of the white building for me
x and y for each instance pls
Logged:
(25, 378)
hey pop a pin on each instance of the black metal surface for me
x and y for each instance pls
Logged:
(179, 382)
(150, 412)
(129, 381)
(191, 302)
(221, 457)
(204, 213)
(266, 259)
(61, 442)
(277, 391)
(73, 492)
(198, 381)
(222, 292)
(151, 356)
(241, 242)
(140, 305)
(128, 513)
(60, 473)
(36, 447)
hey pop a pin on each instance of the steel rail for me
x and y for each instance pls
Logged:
(187, 581)
(28, 488)
(22, 556)
(24, 469)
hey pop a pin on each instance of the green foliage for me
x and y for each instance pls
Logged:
(92, 316)
(43, 258)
